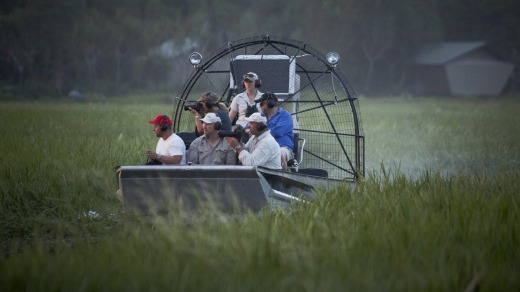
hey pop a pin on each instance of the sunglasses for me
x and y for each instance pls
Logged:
(248, 75)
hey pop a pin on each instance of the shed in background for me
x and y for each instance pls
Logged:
(460, 68)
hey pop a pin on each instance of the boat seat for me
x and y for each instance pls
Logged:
(314, 171)
(299, 144)
(187, 137)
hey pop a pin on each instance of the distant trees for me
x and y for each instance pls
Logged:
(102, 46)
(110, 46)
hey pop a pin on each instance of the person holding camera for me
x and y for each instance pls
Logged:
(280, 123)
(262, 149)
(170, 148)
(210, 148)
(244, 104)
(208, 103)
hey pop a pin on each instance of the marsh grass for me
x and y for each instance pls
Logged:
(449, 135)
(436, 229)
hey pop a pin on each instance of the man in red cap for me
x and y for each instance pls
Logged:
(170, 148)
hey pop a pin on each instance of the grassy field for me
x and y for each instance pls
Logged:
(438, 209)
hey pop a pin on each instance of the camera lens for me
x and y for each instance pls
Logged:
(193, 105)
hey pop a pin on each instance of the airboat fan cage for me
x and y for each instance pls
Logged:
(324, 108)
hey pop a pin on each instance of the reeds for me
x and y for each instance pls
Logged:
(439, 229)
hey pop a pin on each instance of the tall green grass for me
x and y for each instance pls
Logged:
(433, 220)
(464, 135)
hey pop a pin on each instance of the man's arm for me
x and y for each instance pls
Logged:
(198, 123)
(233, 109)
(175, 159)
(260, 155)
(175, 152)
(283, 125)
(231, 158)
(193, 153)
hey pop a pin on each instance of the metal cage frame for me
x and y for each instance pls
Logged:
(323, 96)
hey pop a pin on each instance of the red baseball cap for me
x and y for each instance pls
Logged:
(161, 119)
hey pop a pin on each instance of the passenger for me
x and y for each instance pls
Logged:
(209, 104)
(170, 148)
(280, 123)
(262, 149)
(244, 103)
(210, 149)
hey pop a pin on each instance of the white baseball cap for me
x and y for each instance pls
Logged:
(257, 117)
(210, 118)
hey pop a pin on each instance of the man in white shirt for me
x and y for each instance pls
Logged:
(170, 148)
(262, 149)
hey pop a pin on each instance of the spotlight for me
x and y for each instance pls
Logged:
(332, 58)
(195, 58)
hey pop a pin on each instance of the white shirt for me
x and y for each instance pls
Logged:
(172, 146)
(261, 151)
(240, 104)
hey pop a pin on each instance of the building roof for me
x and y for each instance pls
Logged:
(445, 52)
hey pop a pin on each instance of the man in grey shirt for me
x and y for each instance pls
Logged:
(210, 149)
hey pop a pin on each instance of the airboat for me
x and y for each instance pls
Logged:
(329, 140)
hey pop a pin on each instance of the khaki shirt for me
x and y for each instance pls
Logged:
(201, 152)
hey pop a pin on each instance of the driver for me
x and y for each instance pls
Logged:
(244, 103)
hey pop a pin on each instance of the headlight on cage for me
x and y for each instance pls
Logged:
(195, 58)
(332, 58)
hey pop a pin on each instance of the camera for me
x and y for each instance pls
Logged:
(197, 106)
(251, 109)
(235, 132)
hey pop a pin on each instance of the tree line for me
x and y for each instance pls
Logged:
(120, 46)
